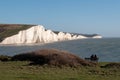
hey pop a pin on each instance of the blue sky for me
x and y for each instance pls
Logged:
(80, 16)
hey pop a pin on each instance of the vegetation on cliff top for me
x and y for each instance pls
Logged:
(7, 30)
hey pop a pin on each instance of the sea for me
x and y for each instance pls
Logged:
(107, 49)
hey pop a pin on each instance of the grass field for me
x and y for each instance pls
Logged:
(18, 70)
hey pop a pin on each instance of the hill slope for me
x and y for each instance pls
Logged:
(7, 30)
(53, 57)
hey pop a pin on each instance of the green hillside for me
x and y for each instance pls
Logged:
(18, 70)
(7, 30)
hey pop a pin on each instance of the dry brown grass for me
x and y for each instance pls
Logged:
(53, 57)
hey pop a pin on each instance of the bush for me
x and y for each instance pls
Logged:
(5, 58)
(112, 65)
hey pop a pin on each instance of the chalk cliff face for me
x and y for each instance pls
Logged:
(38, 34)
(97, 36)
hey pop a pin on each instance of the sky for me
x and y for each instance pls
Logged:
(78, 16)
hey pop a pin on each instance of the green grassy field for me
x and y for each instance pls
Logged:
(17, 70)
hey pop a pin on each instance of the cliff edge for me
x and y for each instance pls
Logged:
(38, 34)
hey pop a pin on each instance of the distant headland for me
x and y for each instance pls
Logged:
(27, 34)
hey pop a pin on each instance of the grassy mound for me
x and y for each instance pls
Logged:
(7, 30)
(53, 57)
(112, 65)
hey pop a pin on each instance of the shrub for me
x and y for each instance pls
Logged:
(5, 58)
(112, 65)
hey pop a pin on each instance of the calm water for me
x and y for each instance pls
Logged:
(107, 49)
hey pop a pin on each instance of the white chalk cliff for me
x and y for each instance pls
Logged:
(38, 34)
(98, 36)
